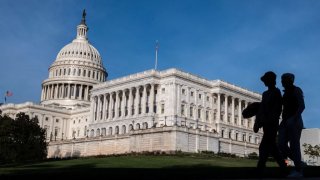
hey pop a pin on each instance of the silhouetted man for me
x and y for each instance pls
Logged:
(269, 115)
(292, 124)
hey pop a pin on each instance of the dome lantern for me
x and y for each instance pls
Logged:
(82, 27)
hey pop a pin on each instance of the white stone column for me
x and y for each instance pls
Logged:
(104, 107)
(144, 99)
(110, 105)
(117, 105)
(93, 104)
(136, 109)
(80, 92)
(225, 119)
(47, 92)
(123, 103)
(245, 120)
(239, 112)
(178, 106)
(62, 95)
(99, 108)
(41, 99)
(232, 110)
(130, 103)
(151, 101)
(87, 94)
(218, 111)
(69, 89)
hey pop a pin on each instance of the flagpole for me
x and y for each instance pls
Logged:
(156, 63)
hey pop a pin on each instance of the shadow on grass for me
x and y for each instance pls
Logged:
(201, 171)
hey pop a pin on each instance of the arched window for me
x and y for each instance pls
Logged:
(98, 132)
(116, 131)
(145, 125)
(137, 126)
(91, 133)
(110, 131)
(103, 132)
(130, 127)
(124, 131)
(79, 72)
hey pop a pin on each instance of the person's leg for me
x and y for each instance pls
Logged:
(263, 156)
(283, 141)
(275, 152)
(294, 139)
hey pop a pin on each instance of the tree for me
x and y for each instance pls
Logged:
(21, 139)
(312, 151)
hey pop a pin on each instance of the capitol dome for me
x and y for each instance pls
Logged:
(78, 66)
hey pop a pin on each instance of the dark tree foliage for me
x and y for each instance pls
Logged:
(21, 139)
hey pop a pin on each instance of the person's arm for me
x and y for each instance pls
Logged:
(299, 95)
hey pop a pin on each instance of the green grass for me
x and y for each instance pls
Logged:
(159, 167)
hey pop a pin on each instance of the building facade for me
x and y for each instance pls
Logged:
(85, 114)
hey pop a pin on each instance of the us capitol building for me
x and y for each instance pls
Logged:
(85, 114)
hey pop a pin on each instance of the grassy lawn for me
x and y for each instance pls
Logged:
(145, 167)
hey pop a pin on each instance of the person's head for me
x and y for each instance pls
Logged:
(287, 79)
(269, 78)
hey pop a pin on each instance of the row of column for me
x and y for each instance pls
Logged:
(241, 104)
(65, 91)
(122, 103)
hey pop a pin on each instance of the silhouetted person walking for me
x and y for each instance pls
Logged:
(269, 115)
(291, 124)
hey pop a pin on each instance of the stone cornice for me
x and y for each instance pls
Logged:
(160, 75)
(30, 105)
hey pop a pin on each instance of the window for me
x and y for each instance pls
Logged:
(79, 72)
(57, 120)
(74, 72)
(47, 118)
(191, 93)
(89, 73)
(163, 90)
(84, 73)
(199, 96)
(222, 133)
(191, 111)
(230, 133)
(199, 113)
(183, 91)
(208, 98)
(182, 109)
(162, 108)
(207, 115)
(69, 71)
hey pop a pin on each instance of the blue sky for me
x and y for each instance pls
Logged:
(234, 40)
